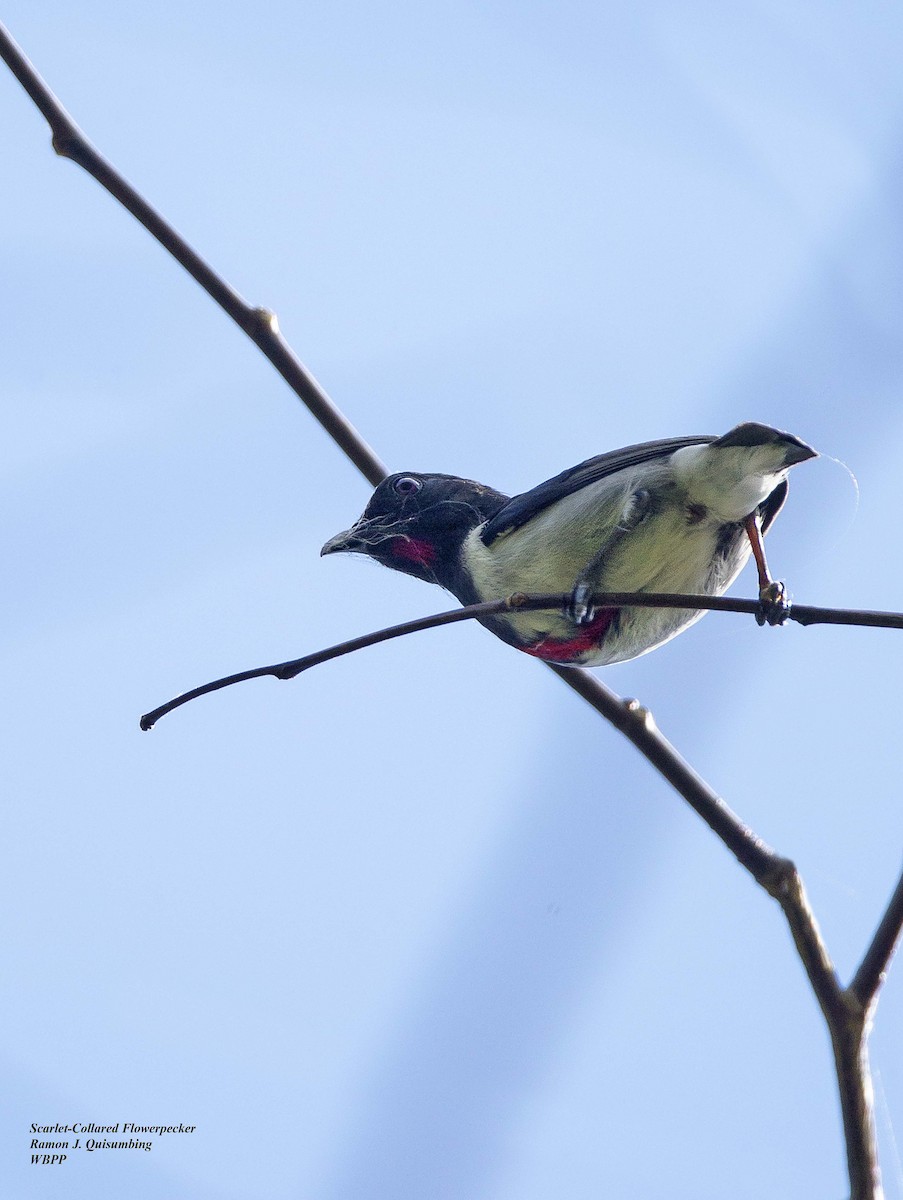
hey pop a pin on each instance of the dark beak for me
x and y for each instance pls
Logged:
(341, 541)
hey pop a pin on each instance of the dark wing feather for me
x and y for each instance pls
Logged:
(770, 508)
(521, 509)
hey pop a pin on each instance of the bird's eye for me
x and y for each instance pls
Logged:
(407, 485)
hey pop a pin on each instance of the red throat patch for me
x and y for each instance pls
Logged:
(414, 550)
(565, 650)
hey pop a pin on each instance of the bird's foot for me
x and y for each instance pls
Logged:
(774, 607)
(580, 608)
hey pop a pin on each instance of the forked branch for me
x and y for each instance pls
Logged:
(846, 1010)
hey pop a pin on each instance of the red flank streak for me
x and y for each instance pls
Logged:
(567, 649)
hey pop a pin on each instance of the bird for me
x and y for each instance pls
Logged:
(674, 515)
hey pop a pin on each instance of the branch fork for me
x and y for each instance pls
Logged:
(847, 1011)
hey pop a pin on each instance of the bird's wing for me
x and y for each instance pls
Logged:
(527, 505)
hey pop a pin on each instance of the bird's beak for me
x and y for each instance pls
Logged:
(347, 541)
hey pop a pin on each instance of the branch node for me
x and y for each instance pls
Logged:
(291, 669)
(777, 875)
(267, 318)
(64, 144)
(857, 1012)
(641, 715)
(781, 879)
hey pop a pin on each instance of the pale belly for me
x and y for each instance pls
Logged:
(667, 553)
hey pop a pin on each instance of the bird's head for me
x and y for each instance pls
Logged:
(417, 523)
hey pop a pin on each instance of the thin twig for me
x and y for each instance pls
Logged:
(294, 666)
(260, 324)
(522, 603)
(844, 1010)
(875, 962)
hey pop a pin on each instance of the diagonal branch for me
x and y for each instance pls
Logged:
(259, 324)
(844, 1009)
(874, 965)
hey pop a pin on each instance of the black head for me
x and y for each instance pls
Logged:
(416, 523)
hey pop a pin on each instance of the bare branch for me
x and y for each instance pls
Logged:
(523, 603)
(845, 1011)
(259, 324)
(293, 667)
(874, 965)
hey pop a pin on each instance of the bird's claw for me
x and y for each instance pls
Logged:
(580, 608)
(774, 607)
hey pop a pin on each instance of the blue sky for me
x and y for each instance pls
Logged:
(418, 924)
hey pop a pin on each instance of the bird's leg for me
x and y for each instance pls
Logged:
(580, 608)
(774, 607)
